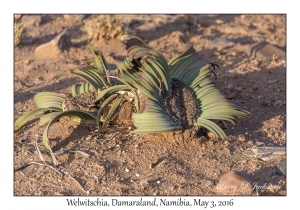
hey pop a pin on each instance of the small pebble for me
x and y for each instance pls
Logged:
(258, 143)
(144, 184)
(279, 104)
(233, 53)
(219, 22)
(250, 142)
(127, 170)
(88, 138)
(226, 143)
(219, 43)
(230, 96)
(238, 89)
(241, 138)
(281, 167)
(202, 139)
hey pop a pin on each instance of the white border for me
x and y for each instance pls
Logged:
(142, 6)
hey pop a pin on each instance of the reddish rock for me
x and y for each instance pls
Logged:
(53, 48)
(266, 51)
(31, 20)
(235, 183)
(241, 138)
(17, 16)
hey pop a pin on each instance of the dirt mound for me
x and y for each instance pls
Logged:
(123, 115)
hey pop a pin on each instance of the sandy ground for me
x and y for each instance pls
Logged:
(162, 164)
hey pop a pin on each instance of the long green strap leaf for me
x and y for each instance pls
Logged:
(85, 116)
(27, 116)
(153, 120)
(133, 91)
(211, 126)
(101, 67)
(103, 105)
(82, 88)
(111, 90)
(47, 117)
(111, 111)
(92, 77)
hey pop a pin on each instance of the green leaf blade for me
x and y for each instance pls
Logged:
(27, 116)
(85, 116)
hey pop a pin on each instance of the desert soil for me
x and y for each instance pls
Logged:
(121, 163)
